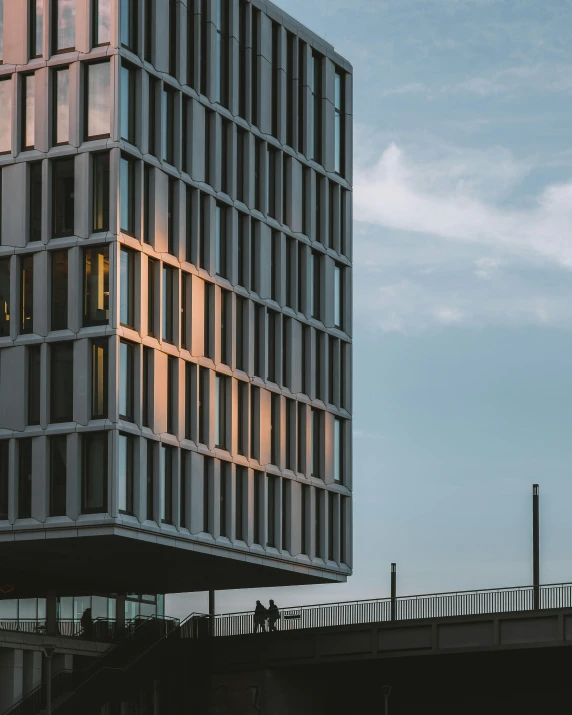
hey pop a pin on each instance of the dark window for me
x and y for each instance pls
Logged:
(168, 125)
(61, 89)
(275, 272)
(301, 438)
(241, 138)
(173, 37)
(190, 401)
(191, 48)
(149, 29)
(101, 22)
(150, 479)
(125, 474)
(34, 362)
(331, 522)
(273, 484)
(338, 299)
(96, 286)
(127, 194)
(98, 100)
(343, 520)
(338, 450)
(224, 500)
(256, 57)
(271, 180)
(305, 511)
(290, 87)
(36, 201)
(274, 102)
(126, 381)
(129, 24)
(58, 474)
(241, 487)
(153, 91)
(258, 188)
(128, 102)
(257, 516)
(315, 303)
(243, 79)
(99, 374)
(204, 65)
(204, 375)
(319, 381)
(318, 496)
(63, 25)
(285, 500)
(275, 433)
(171, 215)
(94, 473)
(152, 276)
(186, 311)
(316, 107)
(63, 190)
(339, 123)
(225, 327)
(167, 491)
(61, 383)
(221, 238)
(127, 295)
(100, 192)
(242, 437)
(28, 111)
(4, 476)
(259, 347)
(272, 325)
(27, 295)
(207, 480)
(222, 52)
(168, 297)
(4, 297)
(209, 127)
(241, 333)
(225, 156)
(290, 434)
(171, 394)
(221, 412)
(148, 198)
(242, 258)
(301, 97)
(36, 28)
(24, 478)
(255, 423)
(147, 387)
(209, 320)
(316, 443)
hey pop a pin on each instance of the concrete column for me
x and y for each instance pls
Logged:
(11, 677)
(32, 670)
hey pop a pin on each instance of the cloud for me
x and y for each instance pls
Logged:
(486, 268)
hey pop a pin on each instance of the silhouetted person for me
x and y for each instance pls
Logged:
(87, 624)
(260, 616)
(273, 615)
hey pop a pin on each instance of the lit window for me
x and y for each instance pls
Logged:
(99, 360)
(4, 297)
(62, 106)
(96, 286)
(98, 100)
(27, 295)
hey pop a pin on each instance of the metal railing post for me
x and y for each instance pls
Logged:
(535, 547)
(393, 607)
(212, 611)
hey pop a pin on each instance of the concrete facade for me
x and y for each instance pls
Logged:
(175, 298)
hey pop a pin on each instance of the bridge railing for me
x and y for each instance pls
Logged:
(439, 605)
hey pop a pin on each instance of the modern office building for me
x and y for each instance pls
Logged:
(175, 298)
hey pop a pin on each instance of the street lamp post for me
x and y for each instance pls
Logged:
(386, 689)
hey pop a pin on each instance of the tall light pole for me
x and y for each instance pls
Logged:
(535, 547)
(386, 689)
(49, 652)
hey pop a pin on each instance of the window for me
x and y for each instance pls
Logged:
(24, 478)
(172, 401)
(316, 443)
(331, 525)
(276, 73)
(275, 435)
(337, 297)
(99, 368)
(241, 139)
(63, 25)
(151, 282)
(149, 29)
(290, 434)
(148, 186)
(96, 286)
(271, 180)
(4, 444)
(256, 56)
(153, 92)
(258, 491)
(285, 500)
(168, 125)
(255, 423)
(58, 474)
(338, 447)
(100, 219)
(226, 156)
(127, 296)
(225, 327)
(173, 31)
(28, 111)
(190, 401)
(290, 274)
(171, 215)
(207, 481)
(186, 311)
(36, 27)
(27, 295)
(305, 514)
(275, 266)
(147, 371)
(272, 325)
(63, 178)
(203, 47)
(61, 382)
(61, 89)
(59, 290)
(316, 107)
(224, 500)
(221, 411)
(242, 437)
(101, 22)
(318, 504)
(203, 404)
(209, 320)
(126, 381)
(35, 193)
(221, 248)
(94, 473)
(98, 111)
(34, 362)
(259, 347)
(4, 297)
(241, 333)
(243, 250)
(273, 485)
(222, 52)
(259, 197)
(168, 297)
(167, 478)
(315, 305)
(128, 106)
(241, 487)
(150, 479)
(129, 24)
(127, 198)
(6, 115)
(339, 123)
(125, 474)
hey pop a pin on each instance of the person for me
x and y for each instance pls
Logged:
(260, 618)
(273, 615)
(87, 624)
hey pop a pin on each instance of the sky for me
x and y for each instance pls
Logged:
(462, 294)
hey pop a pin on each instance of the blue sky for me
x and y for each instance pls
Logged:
(463, 292)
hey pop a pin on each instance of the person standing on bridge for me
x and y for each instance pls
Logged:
(273, 615)
(260, 616)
